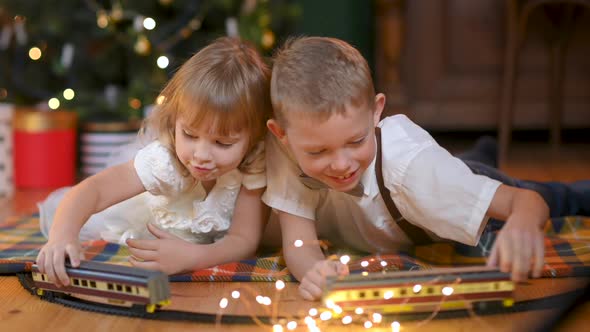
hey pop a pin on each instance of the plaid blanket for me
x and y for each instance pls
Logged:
(567, 245)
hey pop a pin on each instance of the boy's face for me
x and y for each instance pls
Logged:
(336, 151)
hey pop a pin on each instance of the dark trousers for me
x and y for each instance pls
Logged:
(563, 199)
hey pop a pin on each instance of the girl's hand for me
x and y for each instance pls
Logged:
(312, 284)
(51, 259)
(168, 253)
(519, 248)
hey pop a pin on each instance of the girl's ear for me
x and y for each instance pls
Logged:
(379, 106)
(275, 128)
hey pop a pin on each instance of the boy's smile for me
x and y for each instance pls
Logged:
(336, 151)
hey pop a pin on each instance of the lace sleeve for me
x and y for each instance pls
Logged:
(157, 170)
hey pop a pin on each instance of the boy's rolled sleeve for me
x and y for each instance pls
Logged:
(441, 194)
(284, 191)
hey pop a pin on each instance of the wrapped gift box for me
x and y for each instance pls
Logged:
(44, 148)
(6, 173)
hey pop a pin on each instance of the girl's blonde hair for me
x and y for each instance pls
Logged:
(226, 85)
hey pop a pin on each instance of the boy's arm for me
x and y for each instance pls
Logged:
(171, 254)
(90, 196)
(306, 262)
(521, 239)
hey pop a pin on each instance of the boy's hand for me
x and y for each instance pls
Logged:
(519, 248)
(51, 259)
(312, 284)
(168, 253)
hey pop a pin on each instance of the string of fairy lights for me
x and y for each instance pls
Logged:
(316, 319)
(330, 314)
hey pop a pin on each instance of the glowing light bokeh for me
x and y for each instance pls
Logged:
(162, 62)
(53, 103)
(149, 23)
(35, 53)
(69, 94)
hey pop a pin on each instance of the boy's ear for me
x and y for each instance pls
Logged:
(379, 106)
(276, 129)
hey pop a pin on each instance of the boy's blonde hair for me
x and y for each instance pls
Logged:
(226, 84)
(319, 75)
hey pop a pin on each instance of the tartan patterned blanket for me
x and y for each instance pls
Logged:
(567, 245)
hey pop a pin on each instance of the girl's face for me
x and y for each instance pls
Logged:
(206, 155)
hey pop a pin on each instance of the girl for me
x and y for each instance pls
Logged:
(200, 180)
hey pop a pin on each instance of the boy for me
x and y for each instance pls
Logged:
(326, 111)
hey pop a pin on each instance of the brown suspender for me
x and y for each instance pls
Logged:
(415, 233)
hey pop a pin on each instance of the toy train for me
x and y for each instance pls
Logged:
(420, 291)
(119, 285)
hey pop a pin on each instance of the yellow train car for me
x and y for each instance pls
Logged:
(420, 291)
(120, 285)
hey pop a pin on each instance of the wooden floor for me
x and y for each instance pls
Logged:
(20, 311)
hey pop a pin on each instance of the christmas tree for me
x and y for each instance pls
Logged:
(109, 59)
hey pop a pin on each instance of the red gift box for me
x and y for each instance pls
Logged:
(44, 149)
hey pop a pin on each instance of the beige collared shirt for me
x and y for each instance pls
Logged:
(430, 187)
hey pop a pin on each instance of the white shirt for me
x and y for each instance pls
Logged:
(172, 201)
(185, 209)
(431, 188)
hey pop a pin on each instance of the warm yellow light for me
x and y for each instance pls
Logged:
(160, 100)
(329, 304)
(365, 273)
(134, 103)
(395, 327)
(102, 19)
(35, 53)
(268, 39)
(447, 290)
(291, 325)
(277, 328)
(344, 259)
(69, 94)
(417, 288)
(162, 62)
(149, 23)
(53, 103)
(377, 318)
(326, 315)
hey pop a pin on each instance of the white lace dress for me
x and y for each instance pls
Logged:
(168, 201)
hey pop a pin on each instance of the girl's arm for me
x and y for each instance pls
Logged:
(519, 246)
(172, 255)
(244, 234)
(90, 196)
